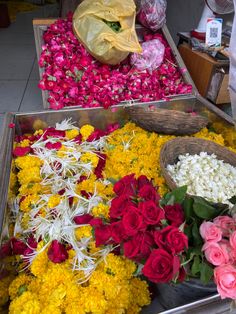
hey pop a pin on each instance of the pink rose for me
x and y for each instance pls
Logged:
(215, 253)
(210, 232)
(232, 240)
(226, 223)
(225, 279)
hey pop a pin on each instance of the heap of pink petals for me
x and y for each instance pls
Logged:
(73, 77)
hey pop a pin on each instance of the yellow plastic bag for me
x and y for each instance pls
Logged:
(101, 40)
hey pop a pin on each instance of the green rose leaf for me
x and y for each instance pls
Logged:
(188, 208)
(195, 269)
(197, 239)
(206, 273)
(203, 209)
(176, 196)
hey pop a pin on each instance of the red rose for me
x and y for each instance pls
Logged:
(102, 234)
(142, 181)
(182, 275)
(52, 132)
(175, 214)
(57, 252)
(96, 222)
(119, 205)
(139, 247)
(126, 185)
(21, 151)
(83, 219)
(149, 193)
(151, 213)
(171, 239)
(161, 267)
(133, 221)
(117, 232)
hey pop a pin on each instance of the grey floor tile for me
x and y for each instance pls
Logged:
(34, 75)
(16, 61)
(11, 94)
(9, 37)
(32, 100)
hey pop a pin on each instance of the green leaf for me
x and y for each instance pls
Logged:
(188, 231)
(197, 239)
(176, 196)
(195, 269)
(112, 180)
(206, 273)
(188, 208)
(22, 289)
(233, 200)
(203, 209)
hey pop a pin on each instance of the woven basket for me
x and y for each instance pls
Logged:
(166, 121)
(180, 146)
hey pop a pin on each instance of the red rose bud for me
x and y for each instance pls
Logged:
(143, 180)
(57, 252)
(102, 235)
(78, 139)
(126, 185)
(161, 266)
(85, 194)
(182, 275)
(151, 213)
(52, 132)
(81, 179)
(133, 221)
(83, 219)
(18, 247)
(95, 222)
(175, 214)
(171, 239)
(96, 135)
(100, 166)
(21, 151)
(119, 205)
(56, 145)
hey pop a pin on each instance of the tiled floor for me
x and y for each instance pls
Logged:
(18, 65)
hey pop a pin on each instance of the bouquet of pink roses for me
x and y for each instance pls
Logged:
(220, 251)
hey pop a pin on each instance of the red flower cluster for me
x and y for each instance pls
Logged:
(74, 78)
(147, 233)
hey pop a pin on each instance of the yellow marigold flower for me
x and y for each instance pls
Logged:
(90, 158)
(4, 284)
(53, 201)
(27, 303)
(92, 247)
(26, 175)
(83, 232)
(13, 180)
(25, 143)
(86, 130)
(70, 134)
(28, 162)
(28, 202)
(19, 285)
(39, 132)
(31, 188)
(40, 262)
(95, 304)
(139, 289)
(50, 308)
(101, 210)
(25, 221)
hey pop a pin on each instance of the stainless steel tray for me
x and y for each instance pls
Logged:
(40, 26)
(100, 118)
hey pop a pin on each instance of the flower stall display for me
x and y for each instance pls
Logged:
(89, 213)
(72, 77)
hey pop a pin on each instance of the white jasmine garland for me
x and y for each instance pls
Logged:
(205, 176)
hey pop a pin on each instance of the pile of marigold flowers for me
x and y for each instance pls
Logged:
(73, 77)
(64, 186)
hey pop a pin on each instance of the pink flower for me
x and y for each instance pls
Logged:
(225, 279)
(226, 223)
(215, 253)
(210, 232)
(232, 240)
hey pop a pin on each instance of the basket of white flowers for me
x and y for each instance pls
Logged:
(206, 168)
